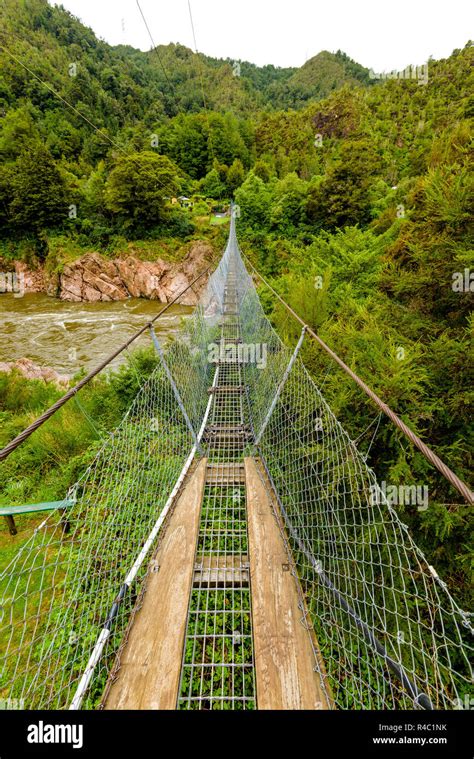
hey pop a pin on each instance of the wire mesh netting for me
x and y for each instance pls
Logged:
(389, 632)
(57, 593)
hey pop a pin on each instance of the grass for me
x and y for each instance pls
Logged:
(219, 220)
(10, 545)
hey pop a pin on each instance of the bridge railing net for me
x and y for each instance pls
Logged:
(390, 634)
(188, 357)
(57, 592)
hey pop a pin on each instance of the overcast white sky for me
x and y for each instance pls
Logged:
(382, 35)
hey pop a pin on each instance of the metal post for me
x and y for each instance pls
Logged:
(281, 386)
(159, 350)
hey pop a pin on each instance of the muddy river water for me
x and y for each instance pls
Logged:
(68, 336)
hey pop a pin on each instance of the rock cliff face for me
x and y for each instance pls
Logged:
(94, 278)
(30, 280)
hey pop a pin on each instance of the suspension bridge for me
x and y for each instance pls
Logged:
(229, 547)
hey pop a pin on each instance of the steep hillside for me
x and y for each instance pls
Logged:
(121, 83)
(318, 77)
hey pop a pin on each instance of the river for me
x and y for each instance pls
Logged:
(70, 336)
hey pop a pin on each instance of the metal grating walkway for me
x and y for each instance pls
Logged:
(218, 658)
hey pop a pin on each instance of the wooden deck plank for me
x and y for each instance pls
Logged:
(284, 659)
(150, 664)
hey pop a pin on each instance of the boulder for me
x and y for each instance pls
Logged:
(33, 371)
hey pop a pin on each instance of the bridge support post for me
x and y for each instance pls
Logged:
(11, 524)
(159, 350)
(280, 387)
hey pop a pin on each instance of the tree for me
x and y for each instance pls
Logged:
(342, 198)
(262, 170)
(39, 194)
(289, 203)
(225, 141)
(254, 199)
(137, 188)
(17, 131)
(93, 190)
(63, 138)
(184, 140)
(212, 186)
(235, 176)
(4, 198)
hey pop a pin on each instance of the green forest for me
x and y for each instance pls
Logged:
(354, 199)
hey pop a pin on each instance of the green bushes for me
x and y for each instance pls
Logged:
(52, 459)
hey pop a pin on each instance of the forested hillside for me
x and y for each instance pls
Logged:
(197, 111)
(355, 198)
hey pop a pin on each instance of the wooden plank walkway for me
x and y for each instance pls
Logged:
(150, 664)
(284, 658)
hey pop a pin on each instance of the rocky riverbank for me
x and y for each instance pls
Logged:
(94, 278)
(32, 371)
